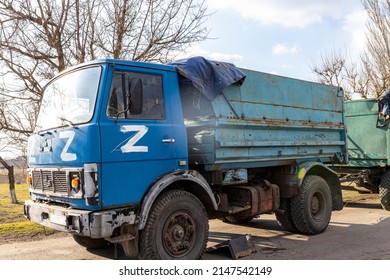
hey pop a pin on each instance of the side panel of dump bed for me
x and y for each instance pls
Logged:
(268, 121)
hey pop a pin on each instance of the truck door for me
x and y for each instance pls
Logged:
(136, 134)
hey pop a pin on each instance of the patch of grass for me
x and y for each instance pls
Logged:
(12, 220)
(21, 228)
(350, 194)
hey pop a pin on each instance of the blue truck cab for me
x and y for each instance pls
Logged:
(143, 154)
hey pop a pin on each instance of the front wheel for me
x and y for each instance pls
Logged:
(177, 228)
(311, 209)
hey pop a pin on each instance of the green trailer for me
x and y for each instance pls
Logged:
(368, 142)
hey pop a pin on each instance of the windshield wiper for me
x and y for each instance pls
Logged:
(64, 120)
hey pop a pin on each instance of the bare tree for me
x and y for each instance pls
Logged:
(377, 59)
(150, 30)
(370, 76)
(40, 38)
(335, 68)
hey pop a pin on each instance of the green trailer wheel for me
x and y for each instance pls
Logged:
(384, 191)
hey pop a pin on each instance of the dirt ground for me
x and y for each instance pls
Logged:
(359, 232)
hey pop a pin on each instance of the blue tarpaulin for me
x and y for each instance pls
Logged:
(207, 76)
(384, 104)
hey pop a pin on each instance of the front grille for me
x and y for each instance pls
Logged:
(50, 181)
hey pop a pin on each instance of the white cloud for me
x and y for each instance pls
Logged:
(196, 50)
(280, 49)
(355, 26)
(297, 13)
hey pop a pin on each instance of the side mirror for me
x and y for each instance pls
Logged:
(135, 96)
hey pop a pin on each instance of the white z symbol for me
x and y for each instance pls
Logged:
(129, 146)
(65, 156)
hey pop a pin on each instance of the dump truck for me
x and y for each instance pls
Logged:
(368, 167)
(144, 154)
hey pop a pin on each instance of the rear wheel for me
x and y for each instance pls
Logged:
(384, 191)
(284, 217)
(177, 228)
(311, 209)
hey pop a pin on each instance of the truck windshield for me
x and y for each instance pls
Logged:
(69, 100)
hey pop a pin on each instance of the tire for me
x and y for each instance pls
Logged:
(91, 243)
(238, 220)
(177, 228)
(311, 209)
(384, 191)
(284, 217)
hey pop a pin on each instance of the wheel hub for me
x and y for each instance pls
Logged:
(179, 234)
(315, 205)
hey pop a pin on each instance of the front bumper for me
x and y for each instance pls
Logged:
(99, 224)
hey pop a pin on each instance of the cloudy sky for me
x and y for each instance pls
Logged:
(285, 37)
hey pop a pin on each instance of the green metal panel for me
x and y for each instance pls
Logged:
(367, 144)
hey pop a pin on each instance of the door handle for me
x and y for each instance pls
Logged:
(168, 140)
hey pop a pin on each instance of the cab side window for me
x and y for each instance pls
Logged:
(119, 103)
